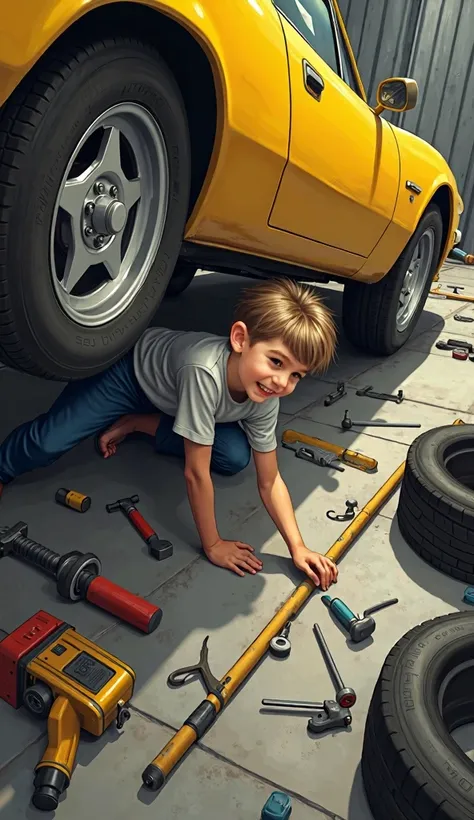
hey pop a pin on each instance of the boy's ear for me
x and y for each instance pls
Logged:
(238, 336)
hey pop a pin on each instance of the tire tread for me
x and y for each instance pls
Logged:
(22, 114)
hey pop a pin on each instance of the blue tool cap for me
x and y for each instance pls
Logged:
(277, 807)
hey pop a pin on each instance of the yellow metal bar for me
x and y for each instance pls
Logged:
(357, 460)
(456, 296)
(158, 770)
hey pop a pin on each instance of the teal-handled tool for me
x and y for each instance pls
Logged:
(359, 627)
(277, 807)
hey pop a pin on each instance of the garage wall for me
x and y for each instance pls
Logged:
(432, 41)
(381, 33)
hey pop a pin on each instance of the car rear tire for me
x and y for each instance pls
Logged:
(436, 507)
(412, 768)
(380, 318)
(94, 190)
(182, 277)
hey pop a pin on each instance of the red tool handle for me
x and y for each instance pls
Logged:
(141, 525)
(126, 606)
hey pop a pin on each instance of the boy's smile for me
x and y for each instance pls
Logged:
(262, 370)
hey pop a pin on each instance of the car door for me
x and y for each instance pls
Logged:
(341, 179)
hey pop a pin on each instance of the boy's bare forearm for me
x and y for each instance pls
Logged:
(278, 504)
(201, 498)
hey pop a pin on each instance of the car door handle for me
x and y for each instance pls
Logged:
(314, 83)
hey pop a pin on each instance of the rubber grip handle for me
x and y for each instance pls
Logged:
(141, 525)
(126, 606)
(342, 612)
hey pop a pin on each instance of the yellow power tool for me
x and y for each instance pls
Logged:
(56, 673)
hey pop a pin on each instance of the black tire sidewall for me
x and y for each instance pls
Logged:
(427, 455)
(415, 709)
(121, 72)
(182, 277)
(431, 218)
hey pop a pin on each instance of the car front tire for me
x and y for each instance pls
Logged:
(380, 318)
(94, 190)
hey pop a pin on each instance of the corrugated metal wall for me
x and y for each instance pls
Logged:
(433, 42)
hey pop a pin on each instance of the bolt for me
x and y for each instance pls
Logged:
(113, 190)
(99, 187)
(88, 230)
(89, 208)
(99, 241)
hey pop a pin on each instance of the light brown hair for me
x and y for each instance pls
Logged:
(295, 314)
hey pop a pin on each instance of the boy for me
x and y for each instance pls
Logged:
(214, 400)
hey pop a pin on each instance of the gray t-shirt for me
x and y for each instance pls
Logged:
(184, 374)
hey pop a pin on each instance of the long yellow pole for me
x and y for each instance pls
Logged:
(155, 774)
(456, 296)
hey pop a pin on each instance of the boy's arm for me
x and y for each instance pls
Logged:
(276, 498)
(234, 555)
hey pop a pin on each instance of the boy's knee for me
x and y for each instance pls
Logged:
(236, 459)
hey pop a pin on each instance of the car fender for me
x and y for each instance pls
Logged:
(21, 46)
(423, 166)
(252, 133)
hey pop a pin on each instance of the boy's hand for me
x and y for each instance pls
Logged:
(234, 555)
(317, 567)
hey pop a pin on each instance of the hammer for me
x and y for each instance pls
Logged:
(157, 547)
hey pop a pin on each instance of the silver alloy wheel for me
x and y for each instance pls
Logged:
(415, 279)
(109, 215)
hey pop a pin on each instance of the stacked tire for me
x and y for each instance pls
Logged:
(436, 508)
(412, 768)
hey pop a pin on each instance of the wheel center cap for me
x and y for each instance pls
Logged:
(110, 215)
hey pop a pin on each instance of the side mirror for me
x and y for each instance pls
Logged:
(396, 94)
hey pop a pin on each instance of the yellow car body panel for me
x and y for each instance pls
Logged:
(337, 204)
(324, 195)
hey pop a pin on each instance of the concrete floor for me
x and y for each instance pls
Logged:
(247, 753)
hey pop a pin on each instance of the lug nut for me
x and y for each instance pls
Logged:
(88, 230)
(113, 190)
(89, 208)
(99, 241)
(99, 187)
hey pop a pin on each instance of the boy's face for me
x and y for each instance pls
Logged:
(264, 369)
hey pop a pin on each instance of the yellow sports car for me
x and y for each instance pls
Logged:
(143, 140)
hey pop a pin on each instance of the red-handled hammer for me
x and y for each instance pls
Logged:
(157, 547)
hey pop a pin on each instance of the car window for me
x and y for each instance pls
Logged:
(313, 20)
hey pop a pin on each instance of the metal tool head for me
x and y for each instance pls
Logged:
(361, 629)
(8, 535)
(346, 697)
(121, 503)
(332, 716)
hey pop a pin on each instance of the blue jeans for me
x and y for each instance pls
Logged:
(86, 407)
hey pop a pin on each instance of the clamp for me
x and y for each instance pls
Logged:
(339, 392)
(316, 455)
(328, 714)
(351, 506)
(371, 394)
